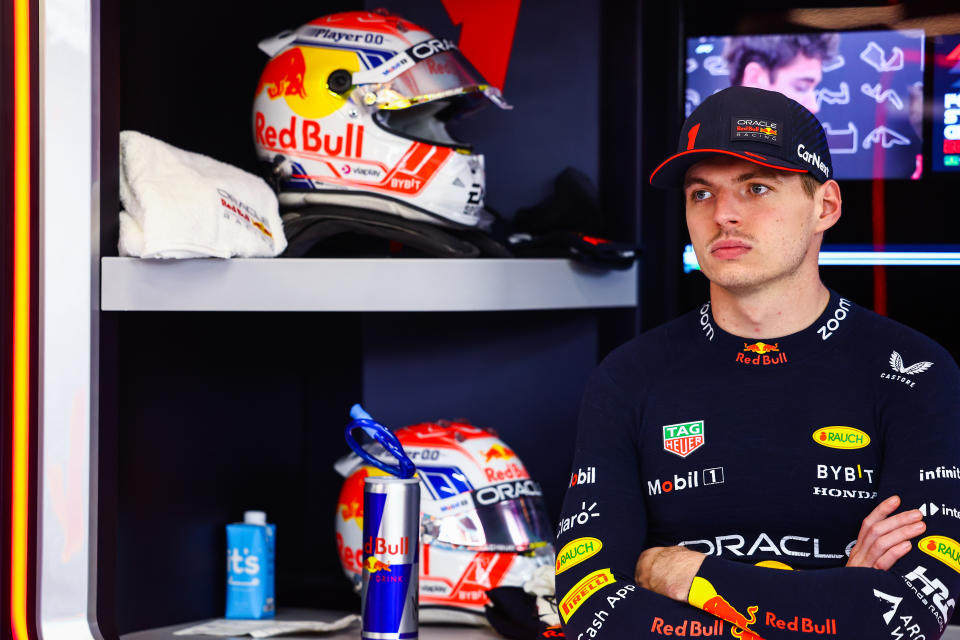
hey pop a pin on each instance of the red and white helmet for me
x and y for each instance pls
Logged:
(483, 523)
(352, 109)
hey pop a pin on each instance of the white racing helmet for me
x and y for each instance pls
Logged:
(352, 109)
(483, 523)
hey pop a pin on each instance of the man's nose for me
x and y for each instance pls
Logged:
(726, 211)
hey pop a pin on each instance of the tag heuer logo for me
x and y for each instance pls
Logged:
(684, 438)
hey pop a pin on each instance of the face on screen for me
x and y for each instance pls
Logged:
(798, 79)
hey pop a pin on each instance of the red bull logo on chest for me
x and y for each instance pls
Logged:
(762, 351)
(683, 438)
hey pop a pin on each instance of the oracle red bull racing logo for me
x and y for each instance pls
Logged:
(683, 438)
(762, 349)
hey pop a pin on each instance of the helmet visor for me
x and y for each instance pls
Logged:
(505, 517)
(444, 75)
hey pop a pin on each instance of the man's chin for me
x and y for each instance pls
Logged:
(734, 277)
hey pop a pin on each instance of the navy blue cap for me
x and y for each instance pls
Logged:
(764, 127)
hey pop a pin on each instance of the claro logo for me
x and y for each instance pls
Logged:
(841, 438)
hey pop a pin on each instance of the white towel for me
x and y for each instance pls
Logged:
(179, 204)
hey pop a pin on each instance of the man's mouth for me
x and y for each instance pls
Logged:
(729, 249)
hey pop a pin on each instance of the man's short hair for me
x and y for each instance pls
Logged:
(775, 52)
(809, 184)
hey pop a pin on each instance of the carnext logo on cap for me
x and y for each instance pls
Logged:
(812, 158)
(757, 130)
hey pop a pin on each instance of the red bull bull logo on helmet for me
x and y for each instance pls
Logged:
(283, 75)
(497, 452)
(683, 438)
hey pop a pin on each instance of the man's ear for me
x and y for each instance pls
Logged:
(828, 204)
(755, 75)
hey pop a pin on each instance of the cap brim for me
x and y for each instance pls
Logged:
(671, 172)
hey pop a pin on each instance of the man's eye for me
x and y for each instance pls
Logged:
(699, 194)
(759, 189)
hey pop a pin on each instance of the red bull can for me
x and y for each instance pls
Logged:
(391, 562)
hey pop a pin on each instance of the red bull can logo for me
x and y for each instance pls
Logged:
(373, 565)
(380, 546)
(761, 349)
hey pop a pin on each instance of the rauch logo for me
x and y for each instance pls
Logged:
(841, 437)
(576, 551)
(944, 549)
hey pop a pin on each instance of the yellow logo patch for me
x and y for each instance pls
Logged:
(590, 584)
(576, 551)
(944, 549)
(841, 437)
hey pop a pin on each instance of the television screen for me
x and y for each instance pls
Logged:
(866, 87)
(946, 103)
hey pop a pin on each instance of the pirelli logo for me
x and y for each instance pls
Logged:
(590, 584)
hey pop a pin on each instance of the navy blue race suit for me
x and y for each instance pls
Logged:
(766, 455)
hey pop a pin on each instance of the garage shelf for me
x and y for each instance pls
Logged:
(360, 284)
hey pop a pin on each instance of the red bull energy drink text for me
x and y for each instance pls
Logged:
(391, 563)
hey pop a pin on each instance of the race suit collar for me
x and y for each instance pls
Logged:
(780, 350)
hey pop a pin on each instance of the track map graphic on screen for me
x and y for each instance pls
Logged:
(865, 87)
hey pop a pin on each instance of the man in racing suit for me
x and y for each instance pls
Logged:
(783, 462)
